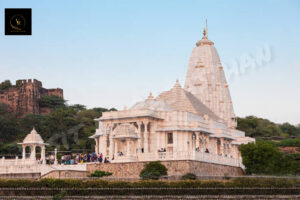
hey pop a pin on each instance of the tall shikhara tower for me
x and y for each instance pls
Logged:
(205, 79)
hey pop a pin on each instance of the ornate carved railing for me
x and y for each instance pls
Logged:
(186, 155)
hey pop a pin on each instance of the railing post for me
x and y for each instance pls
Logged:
(16, 160)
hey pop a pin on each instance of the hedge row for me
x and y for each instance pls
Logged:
(146, 191)
(98, 183)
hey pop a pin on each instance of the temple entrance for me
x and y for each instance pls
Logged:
(125, 143)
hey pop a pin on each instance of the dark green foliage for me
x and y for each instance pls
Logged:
(189, 176)
(5, 85)
(51, 102)
(258, 127)
(290, 129)
(289, 143)
(18, 83)
(153, 170)
(78, 107)
(145, 193)
(264, 158)
(98, 187)
(99, 173)
(8, 127)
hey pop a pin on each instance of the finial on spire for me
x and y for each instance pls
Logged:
(150, 96)
(206, 28)
(205, 31)
(177, 84)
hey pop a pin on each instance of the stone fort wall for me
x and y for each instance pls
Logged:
(24, 97)
(133, 169)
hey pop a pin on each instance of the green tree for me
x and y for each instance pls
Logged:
(52, 102)
(258, 127)
(18, 83)
(5, 85)
(263, 157)
(78, 107)
(153, 170)
(288, 129)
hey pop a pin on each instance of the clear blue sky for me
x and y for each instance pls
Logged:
(113, 53)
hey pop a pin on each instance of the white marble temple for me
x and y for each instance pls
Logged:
(196, 122)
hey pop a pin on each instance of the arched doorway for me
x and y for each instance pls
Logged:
(38, 151)
(27, 152)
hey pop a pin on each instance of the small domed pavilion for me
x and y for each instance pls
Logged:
(33, 140)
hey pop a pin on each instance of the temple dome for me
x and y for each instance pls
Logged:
(152, 104)
(33, 138)
(182, 100)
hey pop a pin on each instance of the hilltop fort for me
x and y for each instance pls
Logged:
(23, 98)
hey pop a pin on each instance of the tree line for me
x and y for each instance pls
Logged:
(68, 128)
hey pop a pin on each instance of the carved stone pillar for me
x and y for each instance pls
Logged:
(116, 148)
(24, 152)
(33, 152)
(97, 146)
(140, 137)
(175, 141)
(207, 142)
(43, 156)
(146, 138)
(203, 144)
(198, 140)
(55, 157)
(128, 148)
(111, 144)
(230, 150)
(222, 146)
(158, 140)
(104, 149)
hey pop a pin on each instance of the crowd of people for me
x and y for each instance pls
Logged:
(76, 158)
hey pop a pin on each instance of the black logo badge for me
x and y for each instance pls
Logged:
(18, 21)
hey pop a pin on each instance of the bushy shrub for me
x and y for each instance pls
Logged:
(99, 173)
(153, 170)
(188, 184)
(5, 85)
(289, 143)
(189, 176)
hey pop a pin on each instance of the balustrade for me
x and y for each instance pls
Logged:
(186, 155)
